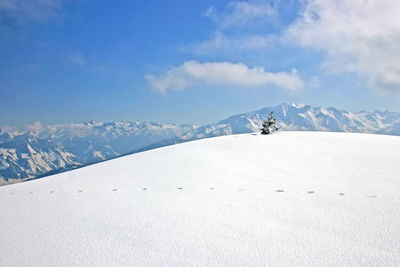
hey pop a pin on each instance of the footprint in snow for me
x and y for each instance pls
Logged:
(180, 188)
(144, 189)
(241, 190)
(341, 194)
(12, 193)
(280, 191)
(115, 189)
(310, 192)
(372, 196)
(53, 191)
(81, 191)
(31, 192)
(211, 188)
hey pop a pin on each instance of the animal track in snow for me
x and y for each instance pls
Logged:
(181, 188)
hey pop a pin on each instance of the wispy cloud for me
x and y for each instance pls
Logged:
(77, 58)
(192, 73)
(222, 43)
(361, 37)
(314, 82)
(240, 13)
(29, 11)
(247, 19)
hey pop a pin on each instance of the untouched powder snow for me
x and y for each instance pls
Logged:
(293, 198)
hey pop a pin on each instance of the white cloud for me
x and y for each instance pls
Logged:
(26, 11)
(358, 36)
(36, 127)
(192, 73)
(240, 13)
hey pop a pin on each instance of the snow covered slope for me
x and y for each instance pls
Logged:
(293, 198)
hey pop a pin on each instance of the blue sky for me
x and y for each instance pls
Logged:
(193, 61)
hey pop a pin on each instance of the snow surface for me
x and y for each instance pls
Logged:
(293, 198)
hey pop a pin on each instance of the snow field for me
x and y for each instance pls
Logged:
(293, 198)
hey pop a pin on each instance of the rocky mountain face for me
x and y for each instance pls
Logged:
(42, 150)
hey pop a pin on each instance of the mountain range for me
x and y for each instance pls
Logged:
(38, 150)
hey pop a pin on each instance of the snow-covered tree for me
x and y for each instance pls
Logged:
(269, 125)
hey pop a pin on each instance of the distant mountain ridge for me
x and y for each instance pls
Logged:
(45, 149)
(41, 150)
(300, 117)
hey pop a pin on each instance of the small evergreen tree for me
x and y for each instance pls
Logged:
(269, 125)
